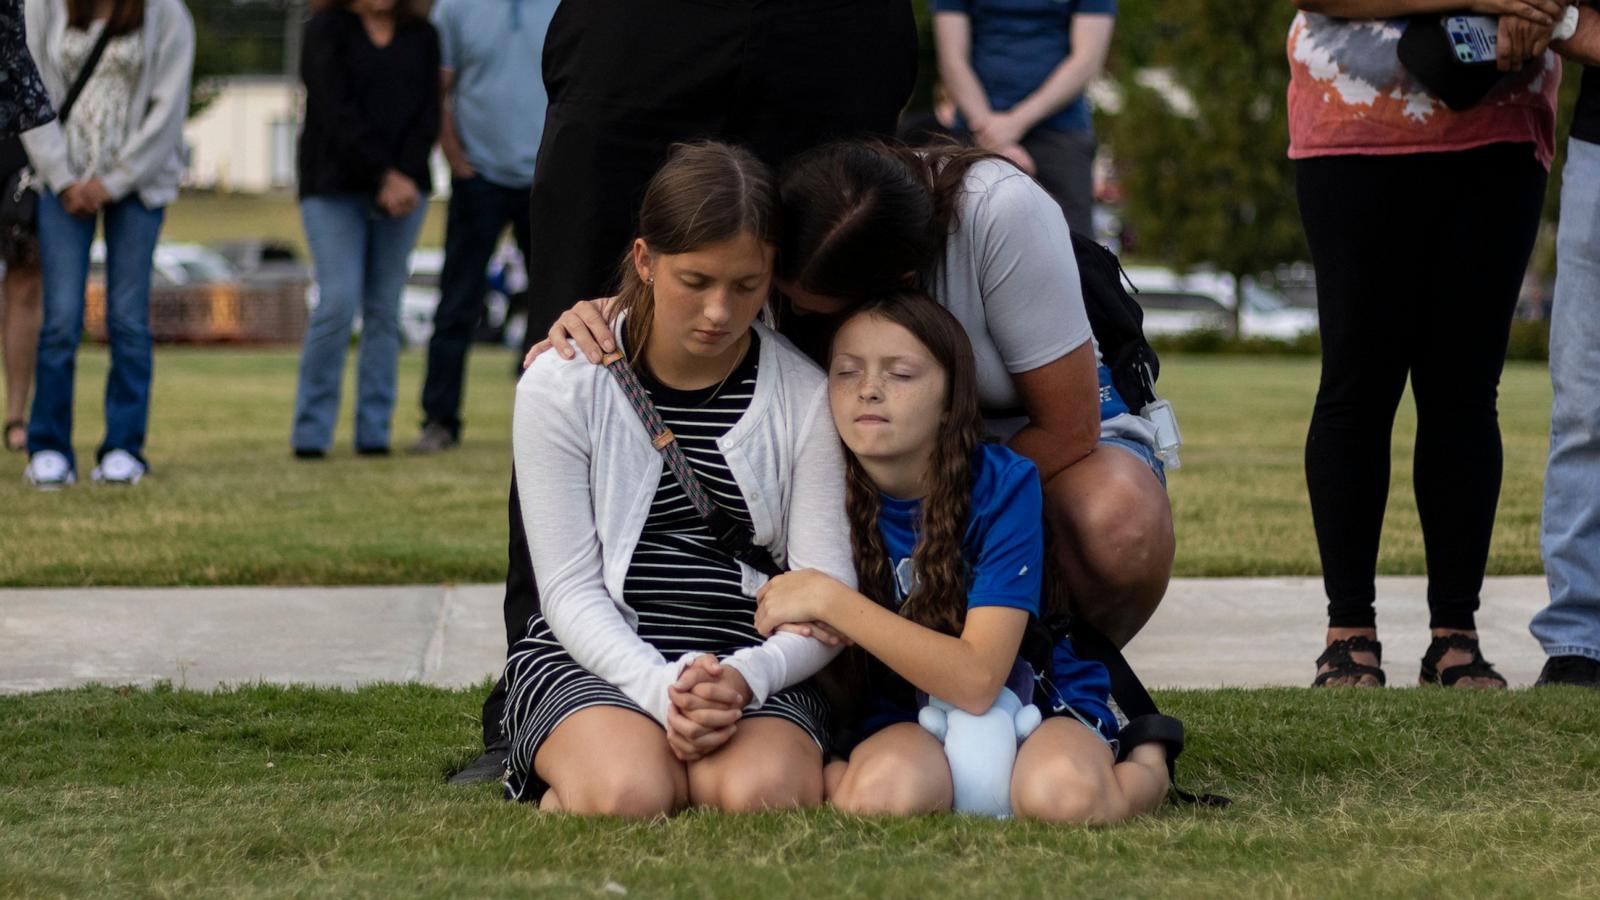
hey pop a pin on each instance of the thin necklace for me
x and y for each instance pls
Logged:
(737, 359)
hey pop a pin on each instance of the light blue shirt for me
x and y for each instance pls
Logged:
(495, 48)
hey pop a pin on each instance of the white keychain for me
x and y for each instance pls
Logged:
(1168, 437)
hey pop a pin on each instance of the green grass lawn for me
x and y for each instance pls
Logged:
(203, 217)
(270, 791)
(226, 504)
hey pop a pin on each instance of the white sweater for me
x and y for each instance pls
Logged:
(586, 474)
(151, 158)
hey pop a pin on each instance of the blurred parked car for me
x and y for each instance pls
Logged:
(196, 295)
(1175, 303)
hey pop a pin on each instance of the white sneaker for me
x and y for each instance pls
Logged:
(48, 470)
(118, 467)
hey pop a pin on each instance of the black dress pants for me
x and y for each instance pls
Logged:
(627, 79)
(1419, 261)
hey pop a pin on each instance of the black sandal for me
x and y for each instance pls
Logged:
(1447, 677)
(1342, 665)
(16, 425)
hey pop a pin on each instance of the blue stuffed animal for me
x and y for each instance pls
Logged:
(982, 749)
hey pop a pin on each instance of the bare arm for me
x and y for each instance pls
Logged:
(1543, 12)
(449, 138)
(1063, 403)
(952, 33)
(966, 671)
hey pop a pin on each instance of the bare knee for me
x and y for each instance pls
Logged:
(1065, 792)
(884, 788)
(771, 785)
(642, 792)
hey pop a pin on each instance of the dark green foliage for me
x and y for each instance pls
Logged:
(1213, 186)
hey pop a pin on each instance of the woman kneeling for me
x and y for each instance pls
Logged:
(642, 685)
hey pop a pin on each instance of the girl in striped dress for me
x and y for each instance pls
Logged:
(642, 685)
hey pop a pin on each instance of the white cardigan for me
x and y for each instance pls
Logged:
(151, 158)
(587, 473)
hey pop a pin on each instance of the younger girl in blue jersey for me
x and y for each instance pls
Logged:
(949, 548)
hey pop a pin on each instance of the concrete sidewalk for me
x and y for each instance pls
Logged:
(1209, 633)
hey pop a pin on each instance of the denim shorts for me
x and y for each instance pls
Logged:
(1145, 452)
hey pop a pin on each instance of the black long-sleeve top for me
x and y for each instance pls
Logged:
(368, 108)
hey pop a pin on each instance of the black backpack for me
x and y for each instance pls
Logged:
(1117, 322)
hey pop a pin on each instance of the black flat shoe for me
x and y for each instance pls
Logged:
(1448, 676)
(489, 766)
(309, 453)
(372, 451)
(1578, 671)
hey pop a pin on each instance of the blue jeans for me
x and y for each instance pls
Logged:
(360, 260)
(1570, 625)
(479, 211)
(131, 232)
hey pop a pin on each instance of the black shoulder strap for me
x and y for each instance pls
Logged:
(84, 73)
(734, 537)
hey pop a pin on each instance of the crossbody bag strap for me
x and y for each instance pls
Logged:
(734, 537)
(84, 73)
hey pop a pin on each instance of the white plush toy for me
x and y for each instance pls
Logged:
(981, 749)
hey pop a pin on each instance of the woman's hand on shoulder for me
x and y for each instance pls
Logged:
(585, 325)
(802, 597)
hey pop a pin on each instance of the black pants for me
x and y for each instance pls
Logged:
(629, 78)
(479, 212)
(1419, 259)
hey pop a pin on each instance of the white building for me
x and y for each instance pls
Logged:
(244, 139)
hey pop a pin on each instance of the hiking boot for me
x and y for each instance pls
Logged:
(48, 470)
(490, 766)
(118, 467)
(1579, 671)
(435, 439)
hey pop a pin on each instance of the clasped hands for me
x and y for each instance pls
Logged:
(1526, 28)
(84, 199)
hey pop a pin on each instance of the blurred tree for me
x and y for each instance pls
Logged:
(235, 37)
(1201, 137)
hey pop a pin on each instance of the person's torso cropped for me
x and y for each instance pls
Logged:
(1349, 94)
(1016, 44)
(99, 121)
(389, 89)
(495, 48)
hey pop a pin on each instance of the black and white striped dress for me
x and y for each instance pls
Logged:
(683, 585)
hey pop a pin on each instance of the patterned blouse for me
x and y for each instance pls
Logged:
(23, 102)
(99, 120)
(1349, 94)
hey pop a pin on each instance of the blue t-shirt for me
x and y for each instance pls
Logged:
(1003, 550)
(495, 48)
(1016, 44)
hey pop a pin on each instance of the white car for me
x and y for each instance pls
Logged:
(174, 264)
(1176, 303)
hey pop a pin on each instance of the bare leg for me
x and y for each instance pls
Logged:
(24, 316)
(899, 771)
(769, 763)
(1066, 773)
(608, 761)
(832, 776)
(1116, 543)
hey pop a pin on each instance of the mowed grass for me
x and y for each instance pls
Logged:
(226, 504)
(205, 217)
(270, 791)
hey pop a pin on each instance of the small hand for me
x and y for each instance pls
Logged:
(78, 200)
(1519, 41)
(460, 168)
(585, 325)
(999, 131)
(1540, 12)
(793, 598)
(819, 631)
(398, 195)
(707, 702)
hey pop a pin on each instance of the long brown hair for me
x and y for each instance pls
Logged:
(126, 15)
(861, 214)
(938, 598)
(705, 193)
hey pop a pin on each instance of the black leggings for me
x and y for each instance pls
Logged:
(1419, 260)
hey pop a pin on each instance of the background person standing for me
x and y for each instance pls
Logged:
(371, 69)
(492, 117)
(117, 162)
(1569, 628)
(1017, 70)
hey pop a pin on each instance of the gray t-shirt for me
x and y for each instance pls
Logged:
(1010, 278)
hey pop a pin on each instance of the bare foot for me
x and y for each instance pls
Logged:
(1362, 658)
(1458, 657)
